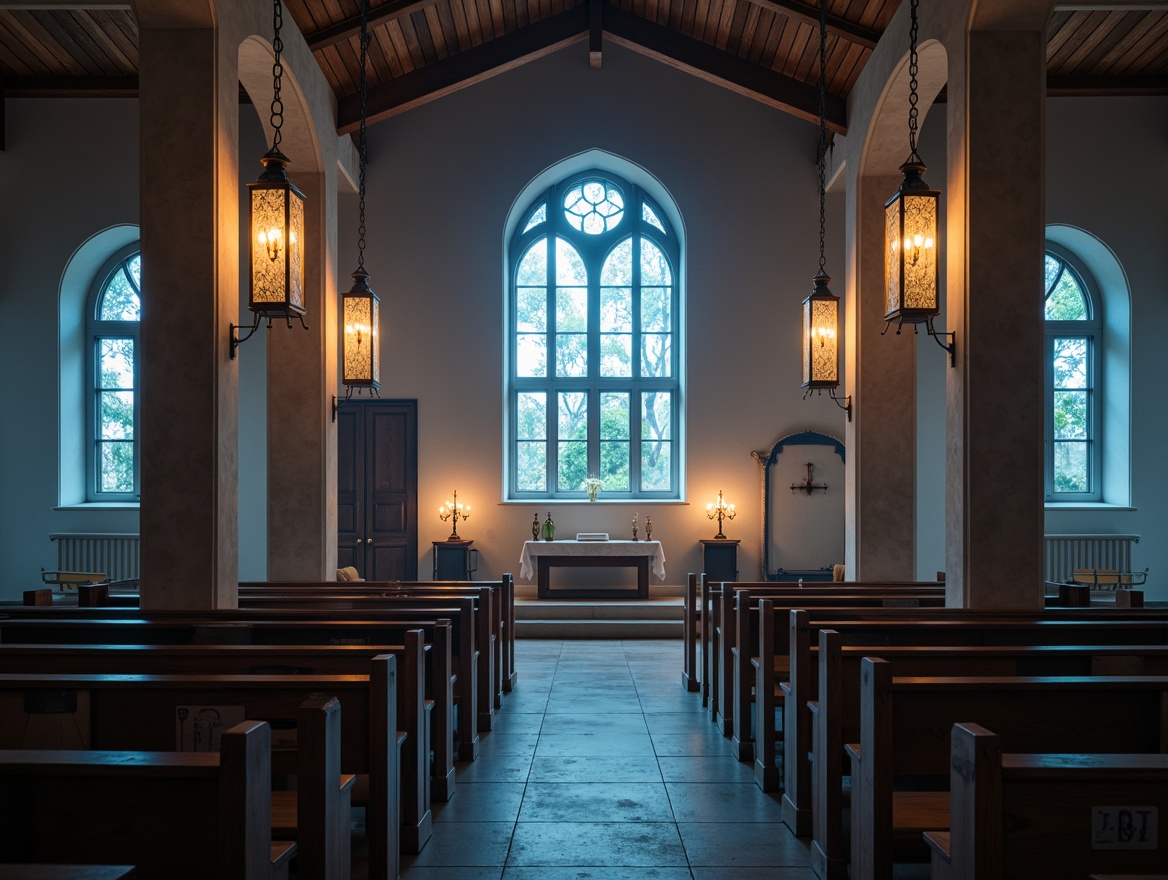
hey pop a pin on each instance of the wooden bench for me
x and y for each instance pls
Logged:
(268, 660)
(275, 627)
(1049, 815)
(142, 712)
(732, 684)
(701, 601)
(496, 629)
(472, 628)
(173, 815)
(794, 644)
(836, 714)
(905, 738)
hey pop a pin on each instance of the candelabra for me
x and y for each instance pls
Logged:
(454, 510)
(720, 511)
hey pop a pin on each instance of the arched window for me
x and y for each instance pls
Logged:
(1073, 382)
(113, 312)
(593, 383)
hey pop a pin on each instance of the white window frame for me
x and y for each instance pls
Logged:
(1092, 330)
(594, 249)
(95, 331)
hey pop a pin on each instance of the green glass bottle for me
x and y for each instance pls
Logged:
(549, 528)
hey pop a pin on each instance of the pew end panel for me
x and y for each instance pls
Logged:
(1018, 815)
(173, 815)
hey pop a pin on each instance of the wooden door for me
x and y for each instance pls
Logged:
(377, 488)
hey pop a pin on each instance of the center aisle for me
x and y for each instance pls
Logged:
(602, 766)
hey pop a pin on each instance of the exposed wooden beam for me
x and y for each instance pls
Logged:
(72, 87)
(350, 27)
(723, 68)
(595, 32)
(1108, 5)
(809, 13)
(62, 5)
(1106, 86)
(466, 68)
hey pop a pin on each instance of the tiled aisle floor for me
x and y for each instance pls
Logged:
(601, 766)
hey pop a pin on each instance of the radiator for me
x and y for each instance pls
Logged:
(1062, 554)
(114, 555)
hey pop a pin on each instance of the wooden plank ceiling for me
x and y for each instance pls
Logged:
(423, 49)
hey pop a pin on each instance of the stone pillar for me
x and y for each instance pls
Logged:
(881, 438)
(994, 419)
(302, 438)
(189, 219)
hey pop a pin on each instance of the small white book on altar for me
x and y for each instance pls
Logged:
(592, 536)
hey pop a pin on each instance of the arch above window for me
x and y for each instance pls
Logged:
(594, 342)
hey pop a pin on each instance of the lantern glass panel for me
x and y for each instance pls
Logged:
(362, 341)
(296, 250)
(892, 257)
(919, 251)
(820, 339)
(277, 249)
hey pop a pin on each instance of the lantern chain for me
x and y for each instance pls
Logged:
(822, 150)
(362, 146)
(277, 117)
(913, 68)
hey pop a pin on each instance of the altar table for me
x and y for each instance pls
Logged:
(541, 556)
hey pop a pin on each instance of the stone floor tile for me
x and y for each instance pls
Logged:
(481, 802)
(613, 844)
(738, 803)
(467, 844)
(598, 801)
(732, 845)
(610, 768)
(493, 768)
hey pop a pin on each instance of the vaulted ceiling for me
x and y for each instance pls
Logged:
(423, 49)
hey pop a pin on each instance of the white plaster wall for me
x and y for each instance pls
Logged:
(441, 179)
(1107, 173)
(69, 170)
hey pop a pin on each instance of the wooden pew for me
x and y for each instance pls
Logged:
(905, 735)
(274, 627)
(480, 686)
(275, 659)
(139, 711)
(692, 614)
(494, 629)
(836, 714)
(708, 611)
(794, 634)
(731, 686)
(173, 815)
(316, 813)
(1020, 816)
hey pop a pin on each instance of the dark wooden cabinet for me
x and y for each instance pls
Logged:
(454, 560)
(377, 488)
(720, 560)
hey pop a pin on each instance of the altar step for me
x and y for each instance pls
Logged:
(659, 617)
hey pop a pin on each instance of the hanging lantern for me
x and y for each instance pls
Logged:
(277, 242)
(362, 355)
(820, 337)
(360, 307)
(276, 225)
(911, 290)
(910, 234)
(821, 308)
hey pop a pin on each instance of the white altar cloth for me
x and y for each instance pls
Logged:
(532, 549)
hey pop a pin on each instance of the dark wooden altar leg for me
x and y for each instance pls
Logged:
(643, 577)
(542, 577)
